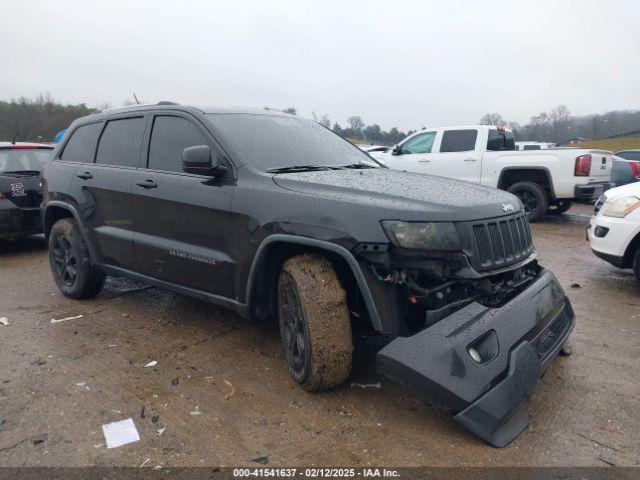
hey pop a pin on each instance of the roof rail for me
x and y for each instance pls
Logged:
(167, 102)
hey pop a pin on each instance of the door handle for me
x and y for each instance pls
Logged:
(424, 161)
(85, 175)
(147, 184)
(470, 159)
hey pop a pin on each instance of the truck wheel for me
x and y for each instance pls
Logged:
(560, 207)
(71, 265)
(636, 265)
(533, 197)
(314, 323)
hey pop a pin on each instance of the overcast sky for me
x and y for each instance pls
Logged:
(405, 64)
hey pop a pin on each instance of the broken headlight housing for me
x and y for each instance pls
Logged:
(620, 207)
(423, 235)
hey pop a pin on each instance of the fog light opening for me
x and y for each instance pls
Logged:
(473, 353)
(484, 349)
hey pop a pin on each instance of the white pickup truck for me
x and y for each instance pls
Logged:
(544, 180)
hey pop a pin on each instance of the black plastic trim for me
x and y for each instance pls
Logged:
(240, 308)
(323, 245)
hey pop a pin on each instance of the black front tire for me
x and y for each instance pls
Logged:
(636, 265)
(70, 262)
(533, 197)
(314, 323)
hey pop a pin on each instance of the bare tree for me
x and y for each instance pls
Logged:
(355, 122)
(38, 118)
(493, 119)
(559, 120)
(324, 121)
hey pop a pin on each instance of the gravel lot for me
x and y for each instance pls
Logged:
(59, 383)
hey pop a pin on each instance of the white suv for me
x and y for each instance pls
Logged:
(614, 230)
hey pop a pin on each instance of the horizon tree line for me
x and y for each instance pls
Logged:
(40, 118)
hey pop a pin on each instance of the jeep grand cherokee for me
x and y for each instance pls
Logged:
(274, 216)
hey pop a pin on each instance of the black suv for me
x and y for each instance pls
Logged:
(274, 216)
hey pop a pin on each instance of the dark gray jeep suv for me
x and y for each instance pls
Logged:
(274, 216)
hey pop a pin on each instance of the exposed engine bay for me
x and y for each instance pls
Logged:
(432, 286)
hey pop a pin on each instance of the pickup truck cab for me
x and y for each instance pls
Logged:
(544, 180)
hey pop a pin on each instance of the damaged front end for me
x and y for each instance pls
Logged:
(475, 320)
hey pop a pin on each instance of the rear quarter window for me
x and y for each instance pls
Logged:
(121, 142)
(82, 144)
(458, 141)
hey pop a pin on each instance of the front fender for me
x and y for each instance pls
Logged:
(333, 248)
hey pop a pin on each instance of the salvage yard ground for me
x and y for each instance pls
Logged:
(220, 394)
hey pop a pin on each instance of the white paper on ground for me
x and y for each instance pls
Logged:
(58, 320)
(120, 433)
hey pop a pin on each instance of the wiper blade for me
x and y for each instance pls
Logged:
(299, 168)
(21, 172)
(359, 165)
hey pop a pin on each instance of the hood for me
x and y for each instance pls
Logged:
(624, 190)
(25, 191)
(404, 195)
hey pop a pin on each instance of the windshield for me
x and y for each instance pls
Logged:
(24, 159)
(271, 142)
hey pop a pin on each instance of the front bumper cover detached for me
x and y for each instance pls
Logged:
(489, 397)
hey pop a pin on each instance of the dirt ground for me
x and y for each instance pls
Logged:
(59, 383)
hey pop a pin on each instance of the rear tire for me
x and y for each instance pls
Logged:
(562, 206)
(533, 197)
(71, 265)
(636, 265)
(314, 323)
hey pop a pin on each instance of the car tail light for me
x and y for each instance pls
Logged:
(583, 166)
(634, 169)
(2, 197)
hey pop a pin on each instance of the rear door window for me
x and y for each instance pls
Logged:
(501, 140)
(82, 144)
(422, 143)
(169, 137)
(458, 141)
(121, 142)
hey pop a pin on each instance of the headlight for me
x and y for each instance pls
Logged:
(620, 207)
(422, 235)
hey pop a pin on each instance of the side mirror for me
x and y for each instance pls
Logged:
(197, 160)
(397, 150)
